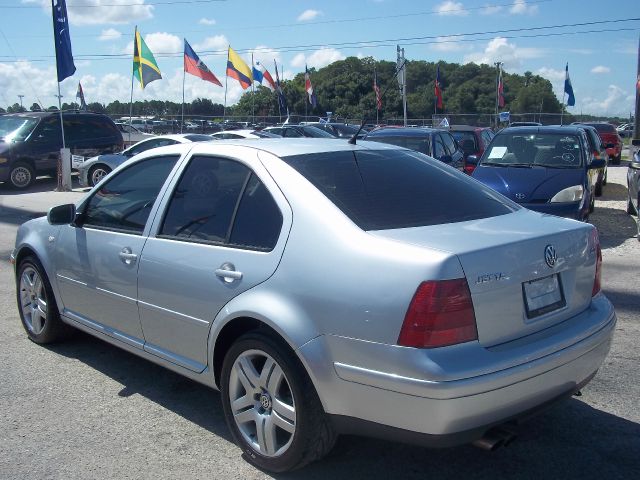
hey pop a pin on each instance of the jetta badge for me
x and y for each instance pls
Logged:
(550, 256)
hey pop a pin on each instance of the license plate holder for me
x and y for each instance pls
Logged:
(543, 295)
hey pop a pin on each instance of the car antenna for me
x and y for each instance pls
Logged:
(352, 140)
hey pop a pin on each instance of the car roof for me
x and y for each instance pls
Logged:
(560, 129)
(403, 131)
(465, 128)
(280, 147)
(48, 114)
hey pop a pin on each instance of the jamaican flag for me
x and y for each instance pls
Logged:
(145, 67)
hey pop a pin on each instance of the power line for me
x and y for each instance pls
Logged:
(421, 40)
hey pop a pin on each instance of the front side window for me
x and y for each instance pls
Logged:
(388, 189)
(438, 147)
(125, 200)
(449, 143)
(16, 128)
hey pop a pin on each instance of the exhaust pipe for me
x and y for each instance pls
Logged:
(494, 439)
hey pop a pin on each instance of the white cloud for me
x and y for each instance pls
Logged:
(616, 102)
(451, 8)
(551, 74)
(113, 11)
(490, 9)
(520, 7)
(266, 55)
(318, 59)
(207, 21)
(109, 34)
(159, 43)
(447, 44)
(309, 15)
(500, 50)
(600, 69)
(217, 43)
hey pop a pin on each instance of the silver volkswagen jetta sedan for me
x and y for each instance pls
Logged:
(325, 288)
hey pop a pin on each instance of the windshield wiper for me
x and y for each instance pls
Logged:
(520, 165)
(493, 164)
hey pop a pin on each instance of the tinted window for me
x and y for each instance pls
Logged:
(314, 132)
(203, 203)
(419, 144)
(87, 127)
(603, 127)
(16, 128)
(291, 132)
(381, 190)
(449, 143)
(198, 137)
(468, 136)
(125, 201)
(258, 221)
(48, 131)
(438, 147)
(148, 145)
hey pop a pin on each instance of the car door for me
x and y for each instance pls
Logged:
(97, 260)
(44, 144)
(221, 235)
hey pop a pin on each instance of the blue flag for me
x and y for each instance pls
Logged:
(257, 75)
(568, 89)
(62, 40)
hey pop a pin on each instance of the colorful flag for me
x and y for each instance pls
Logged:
(568, 88)
(236, 68)
(80, 96)
(145, 67)
(308, 87)
(262, 76)
(437, 89)
(195, 66)
(444, 123)
(282, 102)
(62, 40)
(376, 89)
(500, 89)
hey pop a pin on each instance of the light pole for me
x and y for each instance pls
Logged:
(21, 97)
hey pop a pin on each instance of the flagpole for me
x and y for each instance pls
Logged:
(375, 81)
(184, 74)
(253, 94)
(135, 38)
(562, 109)
(497, 64)
(226, 82)
(278, 91)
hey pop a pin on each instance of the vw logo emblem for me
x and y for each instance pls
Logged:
(550, 256)
(520, 196)
(265, 401)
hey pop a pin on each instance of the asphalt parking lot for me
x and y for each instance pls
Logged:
(85, 409)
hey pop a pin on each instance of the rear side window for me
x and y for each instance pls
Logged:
(603, 127)
(418, 144)
(380, 190)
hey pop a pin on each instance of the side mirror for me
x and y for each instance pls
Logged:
(62, 214)
(609, 145)
(597, 163)
(472, 159)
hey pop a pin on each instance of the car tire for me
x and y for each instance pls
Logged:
(598, 188)
(271, 406)
(617, 159)
(37, 305)
(97, 173)
(21, 175)
(604, 179)
(631, 210)
(592, 202)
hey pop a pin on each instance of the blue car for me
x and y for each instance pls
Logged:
(547, 169)
(433, 142)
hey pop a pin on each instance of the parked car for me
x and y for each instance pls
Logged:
(297, 131)
(236, 134)
(131, 135)
(31, 142)
(610, 139)
(633, 185)
(472, 141)
(340, 130)
(436, 143)
(546, 169)
(598, 151)
(93, 170)
(224, 254)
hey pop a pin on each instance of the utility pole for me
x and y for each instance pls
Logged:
(21, 97)
(636, 125)
(498, 65)
(402, 80)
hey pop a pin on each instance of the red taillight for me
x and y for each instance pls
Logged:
(469, 168)
(441, 313)
(597, 281)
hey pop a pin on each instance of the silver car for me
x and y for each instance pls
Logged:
(325, 288)
(94, 169)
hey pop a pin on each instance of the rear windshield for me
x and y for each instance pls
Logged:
(197, 137)
(603, 127)
(418, 144)
(552, 150)
(387, 189)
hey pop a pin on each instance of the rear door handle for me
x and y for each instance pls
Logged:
(127, 257)
(228, 273)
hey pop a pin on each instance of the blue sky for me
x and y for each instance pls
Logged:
(294, 32)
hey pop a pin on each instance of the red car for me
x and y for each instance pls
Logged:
(472, 141)
(610, 139)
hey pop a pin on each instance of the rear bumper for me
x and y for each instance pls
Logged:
(457, 392)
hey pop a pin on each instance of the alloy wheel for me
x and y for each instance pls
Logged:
(262, 403)
(97, 175)
(21, 177)
(33, 300)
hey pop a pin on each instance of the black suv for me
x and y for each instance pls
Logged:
(31, 142)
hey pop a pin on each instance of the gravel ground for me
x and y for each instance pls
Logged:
(85, 409)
